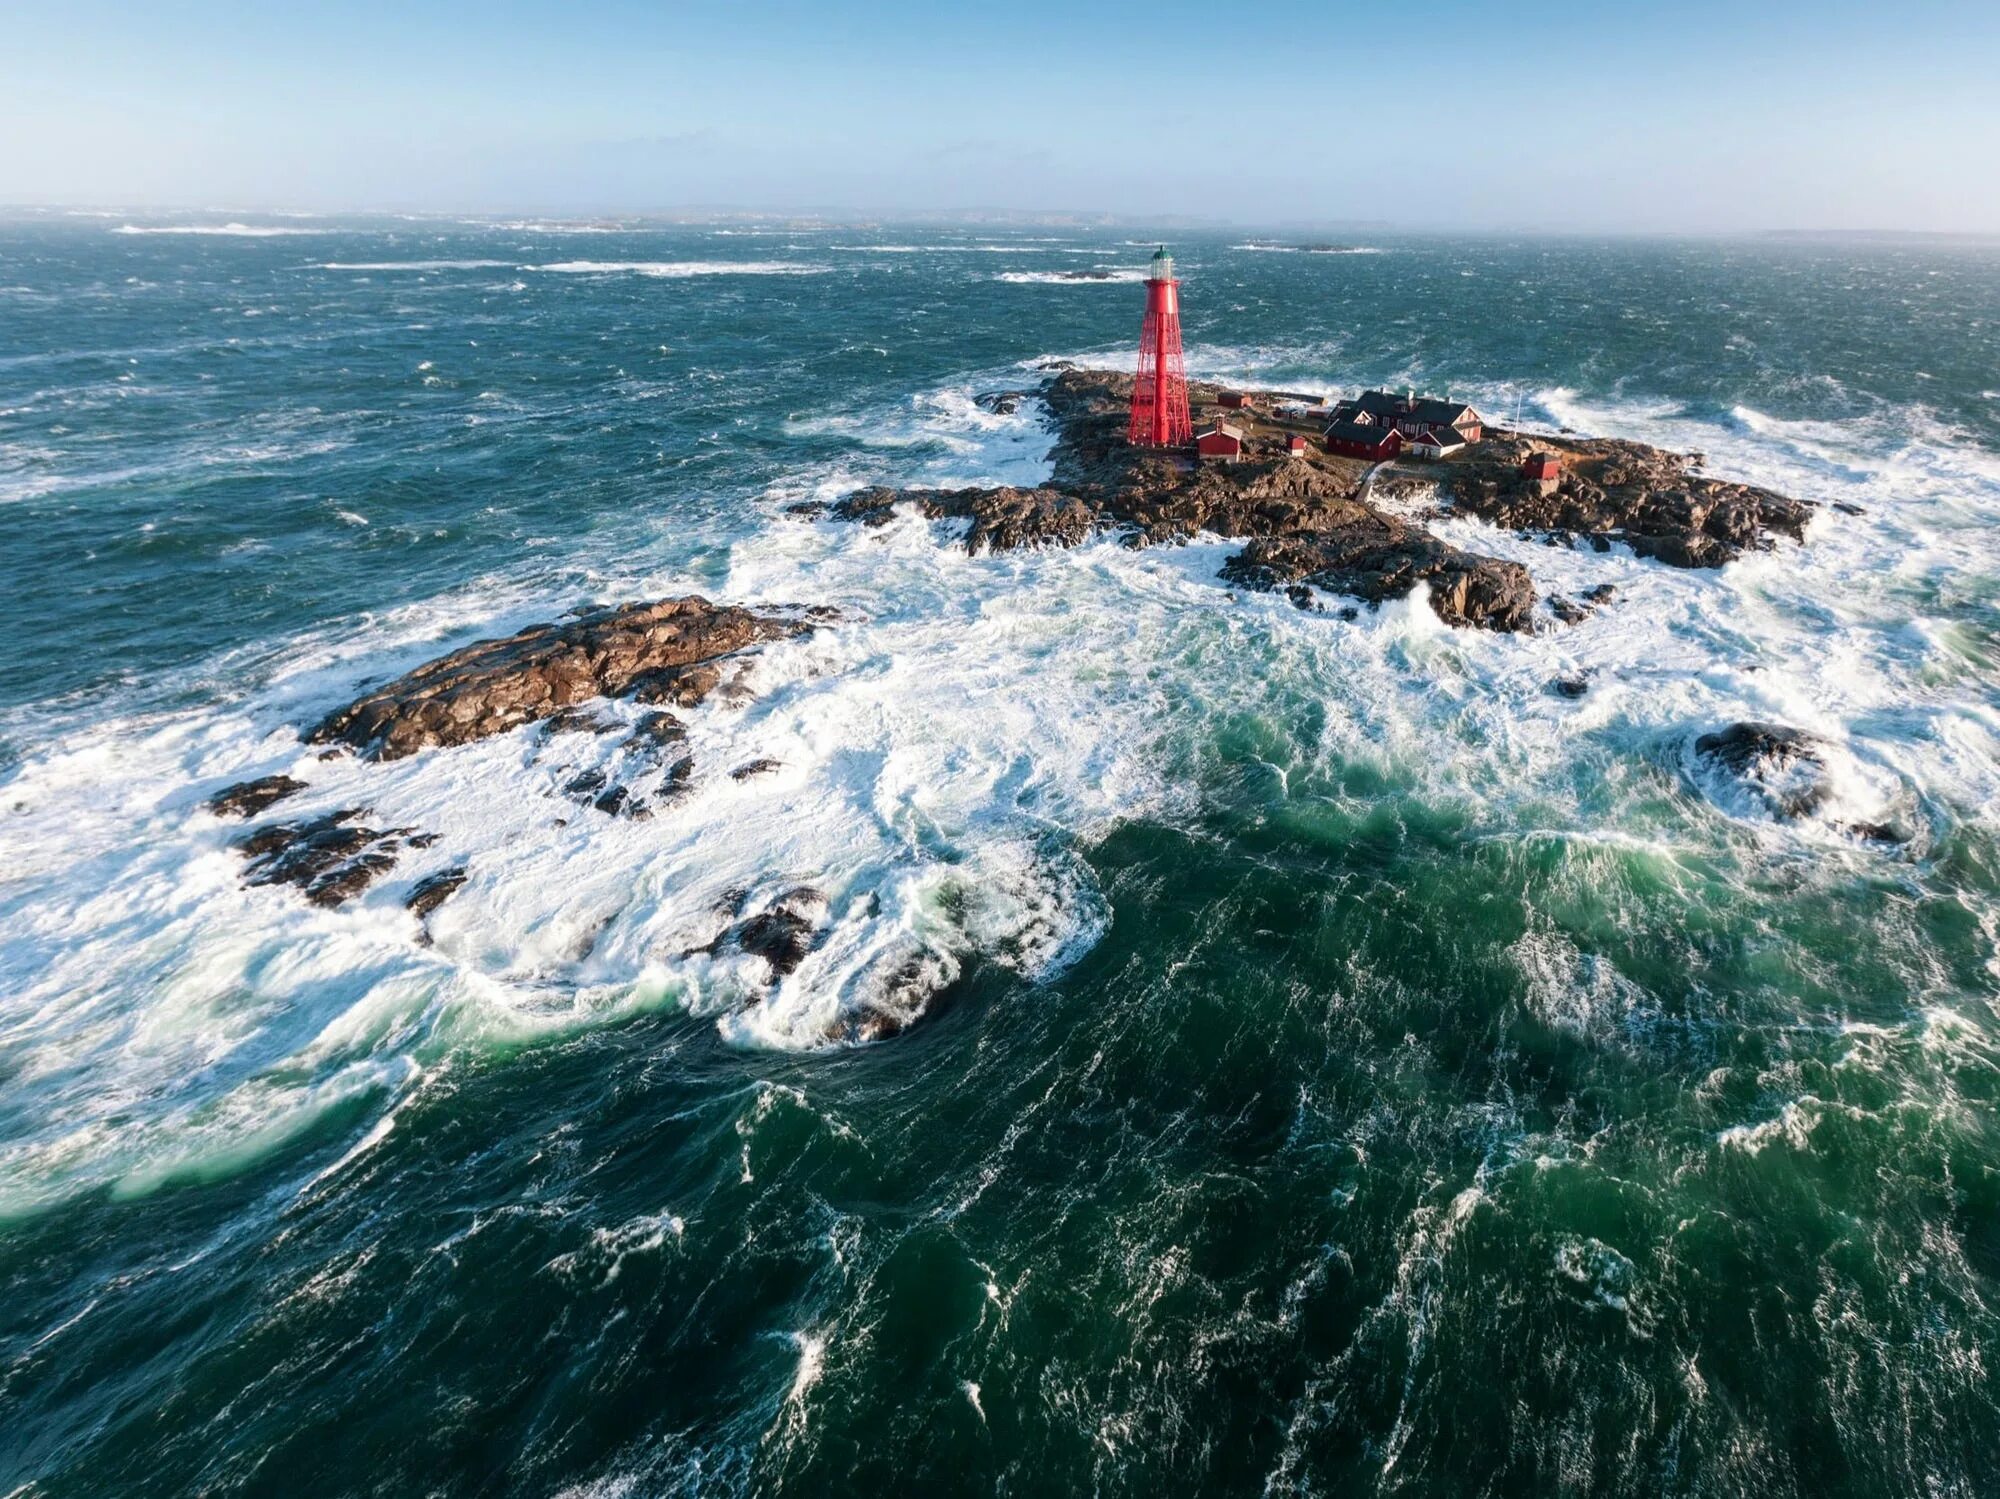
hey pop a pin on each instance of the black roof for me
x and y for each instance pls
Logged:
(1435, 412)
(1426, 409)
(1376, 403)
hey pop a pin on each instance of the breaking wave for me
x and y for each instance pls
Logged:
(238, 231)
(1121, 275)
(675, 269)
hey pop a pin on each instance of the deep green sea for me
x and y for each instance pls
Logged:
(1349, 1067)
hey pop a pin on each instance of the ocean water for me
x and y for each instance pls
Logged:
(1351, 1067)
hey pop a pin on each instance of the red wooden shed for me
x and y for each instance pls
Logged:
(1219, 441)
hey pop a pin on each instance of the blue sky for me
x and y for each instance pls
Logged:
(1694, 116)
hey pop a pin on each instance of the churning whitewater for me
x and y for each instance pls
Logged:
(1300, 1007)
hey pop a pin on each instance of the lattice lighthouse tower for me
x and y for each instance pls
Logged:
(1159, 393)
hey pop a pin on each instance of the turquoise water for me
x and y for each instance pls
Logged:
(1349, 1066)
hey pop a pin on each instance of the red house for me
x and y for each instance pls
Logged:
(1296, 447)
(1221, 441)
(1364, 439)
(1234, 399)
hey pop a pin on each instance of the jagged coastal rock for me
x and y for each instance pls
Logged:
(1308, 520)
(672, 651)
(248, 798)
(330, 858)
(1312, 519)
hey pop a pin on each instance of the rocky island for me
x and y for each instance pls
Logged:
(1316, 520)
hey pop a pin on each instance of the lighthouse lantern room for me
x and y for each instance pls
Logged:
(1159, 391)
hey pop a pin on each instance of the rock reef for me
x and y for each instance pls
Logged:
(674, 652)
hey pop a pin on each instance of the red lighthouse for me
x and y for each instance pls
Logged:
(1159, 393)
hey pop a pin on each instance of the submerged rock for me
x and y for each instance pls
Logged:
(1002, 402)
(668, 651)
(1784, 767)
(781, 934)
(433, 890)
(248, 798)
(656, 730)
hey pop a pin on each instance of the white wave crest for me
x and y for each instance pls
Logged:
(233, 230)
(674, 269)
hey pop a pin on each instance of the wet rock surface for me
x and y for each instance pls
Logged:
(433, 890)
(1318, 519)
(1785, 767)
(248, 798)
(781, 934)
(1379, 563)
(671, 651)
(330, 858)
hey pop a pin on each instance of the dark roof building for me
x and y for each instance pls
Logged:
(1363, 439)
(1411, 414)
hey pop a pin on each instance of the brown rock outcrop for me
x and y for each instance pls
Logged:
(1307, 522)
(1385, 561)
(665, 652)
(1648, 498)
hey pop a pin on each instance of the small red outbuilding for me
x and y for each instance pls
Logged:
(1219, 441)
